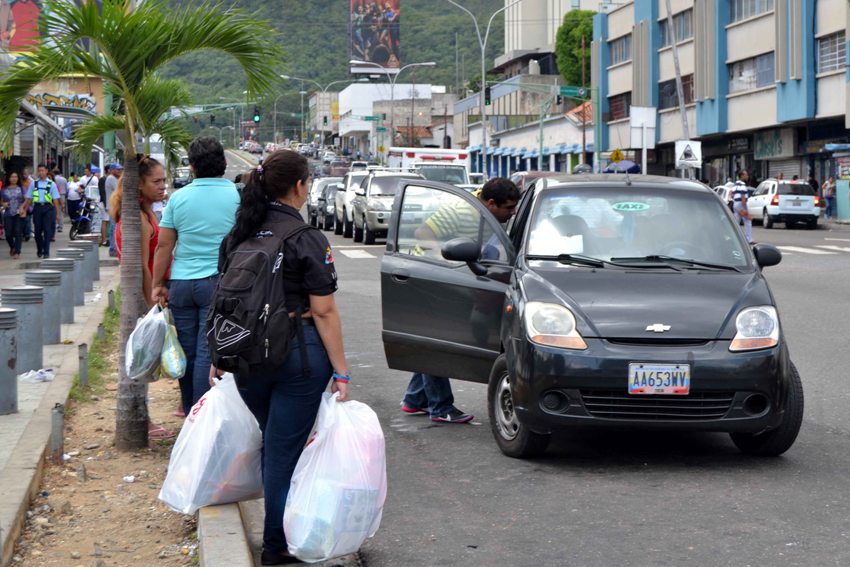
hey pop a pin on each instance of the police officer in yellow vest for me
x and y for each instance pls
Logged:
(44, 197)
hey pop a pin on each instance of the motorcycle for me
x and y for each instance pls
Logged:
(84, 220)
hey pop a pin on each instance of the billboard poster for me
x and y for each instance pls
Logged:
(374, 35)
(19, 20)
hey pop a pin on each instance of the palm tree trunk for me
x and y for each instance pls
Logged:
(131, 426)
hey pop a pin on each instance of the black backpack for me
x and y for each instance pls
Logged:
(248, 326)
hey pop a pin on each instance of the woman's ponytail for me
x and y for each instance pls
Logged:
(252, 208)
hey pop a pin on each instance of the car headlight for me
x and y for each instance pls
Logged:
(758, 328)
(551, 324)
(376, 205)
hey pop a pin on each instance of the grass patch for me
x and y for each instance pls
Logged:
(99, 364)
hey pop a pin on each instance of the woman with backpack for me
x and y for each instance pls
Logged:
(285, 400)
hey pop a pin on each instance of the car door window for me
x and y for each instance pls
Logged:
(520, 220)
(430, 217)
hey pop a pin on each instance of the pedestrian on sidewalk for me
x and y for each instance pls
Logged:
(828, 189)
(73, 198)
(62, 185)
(193, 225)
(13, 198)
(26, 184)
(286, 400)
(44, 197)
(103, 206)
(739, 204)
(151, 187)
(115, 172)
(427, 394)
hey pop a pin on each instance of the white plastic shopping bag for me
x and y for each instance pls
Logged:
(339, 485)
(144, 348)
(216, 459)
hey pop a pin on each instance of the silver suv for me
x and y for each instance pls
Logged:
(789, 202)
(345, 194)
(373, 202)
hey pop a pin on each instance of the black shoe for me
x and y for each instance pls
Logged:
(454, 415)
(273, 558)
(58, 229)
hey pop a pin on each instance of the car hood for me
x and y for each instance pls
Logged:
(613, 303)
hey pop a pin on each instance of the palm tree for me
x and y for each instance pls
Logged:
(130, 43)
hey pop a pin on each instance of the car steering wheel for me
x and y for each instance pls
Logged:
(689, 250)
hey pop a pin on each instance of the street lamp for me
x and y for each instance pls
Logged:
(323, 89)
(482, 42)
(302, 93)
(392, 79)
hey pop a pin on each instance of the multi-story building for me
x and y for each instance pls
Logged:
(764, 82)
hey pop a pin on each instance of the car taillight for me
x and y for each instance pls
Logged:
(775, 200)
(411, 154)
(817, 201)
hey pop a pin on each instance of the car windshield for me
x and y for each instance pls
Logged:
(454, 175)
(795, 189)
(356, 179)
(386, 186)
(635, 225)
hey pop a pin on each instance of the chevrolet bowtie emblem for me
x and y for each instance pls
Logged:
(658, 328)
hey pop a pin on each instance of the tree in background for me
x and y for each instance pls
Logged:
(576, 24)
(125, 46)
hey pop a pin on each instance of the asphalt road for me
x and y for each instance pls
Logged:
(606, 499)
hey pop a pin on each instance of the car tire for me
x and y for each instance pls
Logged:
(790, 224)
(358, 232)
(513, 438)
(368, 235)
(812, 224)
(778, 440)
(337, 225)
(329, 222)
(766, 220)
(314, 220)
(347, 225)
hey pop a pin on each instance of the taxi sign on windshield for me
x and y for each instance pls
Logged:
(617, 156)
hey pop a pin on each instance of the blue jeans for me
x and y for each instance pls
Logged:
(28, 224)
(189, 301)
(830, 207)
(44, 219)
(14, 226)
(285, 403)
(433, 393)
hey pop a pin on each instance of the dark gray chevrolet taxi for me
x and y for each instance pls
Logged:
(610, 301)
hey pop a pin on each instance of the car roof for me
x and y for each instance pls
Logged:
(623, 180)
(380, 173)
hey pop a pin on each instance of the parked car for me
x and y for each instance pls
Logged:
(328, 156)
(182, 177)
(610, 302)
(358, 165)
(338, 168)
(315, 214)
(523, 178)
(344, 218)
(326, 205)
(373, 202)
(784, 201)
(477, 179)
(725, 193)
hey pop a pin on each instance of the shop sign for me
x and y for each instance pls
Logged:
(738, 145)
(774, 144)
(842, 166)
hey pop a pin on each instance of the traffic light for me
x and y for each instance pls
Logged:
(325, 120)
(256, 115)
(487, 96)
(559, 100)
(212, 118)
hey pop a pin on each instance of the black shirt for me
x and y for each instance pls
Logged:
(308, 264)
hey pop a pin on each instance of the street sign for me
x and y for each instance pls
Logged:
(688, 154)
(617, 156)
(372, 118)
(573, 91)
(380, 129)
(381, 149)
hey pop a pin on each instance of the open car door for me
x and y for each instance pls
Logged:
(439, 317)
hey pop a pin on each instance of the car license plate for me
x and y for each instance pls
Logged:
(665, 379)
(796, 203)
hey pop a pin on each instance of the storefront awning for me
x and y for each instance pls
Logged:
(474, 148)
(519, 152)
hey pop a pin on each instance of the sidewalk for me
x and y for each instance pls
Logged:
(24, 436)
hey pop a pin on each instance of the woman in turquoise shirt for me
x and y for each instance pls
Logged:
(197, 218)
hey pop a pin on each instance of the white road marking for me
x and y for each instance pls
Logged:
(357, 254)
(803, 250)
(836, 248)
(838, 239)
(361, 246)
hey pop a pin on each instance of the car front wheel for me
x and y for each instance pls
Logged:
(368, 235)
(329, 222)
(766, 221)
(513, 438)
(776, 441)
(347, 225)
(358, 232)
(337, 225)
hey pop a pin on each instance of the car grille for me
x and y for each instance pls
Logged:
(659, 342)
(616, 404)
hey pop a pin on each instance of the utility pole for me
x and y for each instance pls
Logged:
(680, 92)
(446, 126)
(583, 108)
(412, 108)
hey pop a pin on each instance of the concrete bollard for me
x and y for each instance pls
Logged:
(111, 296)
(8, 362)
(83, 367)
(51, 281)
(101, 332)
(28, 302)
(91, 260)
(66, 292)
(79, 275)
(57, 435)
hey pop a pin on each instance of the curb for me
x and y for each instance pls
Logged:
(22, 475)
(222, 541)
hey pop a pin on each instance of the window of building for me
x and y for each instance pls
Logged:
(618, 106)
(667, 97)
(683, 27)
(743, 9)
(832, 53)
(621, 49)
(751, 73)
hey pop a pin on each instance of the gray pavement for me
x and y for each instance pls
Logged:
(24, 435)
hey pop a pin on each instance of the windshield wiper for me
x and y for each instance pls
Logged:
(669, 260)
(575, 259)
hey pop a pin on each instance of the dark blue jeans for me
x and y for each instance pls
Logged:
(14, 227)
(285, 403)
(44, 219)
(433, 393)
(189, 301)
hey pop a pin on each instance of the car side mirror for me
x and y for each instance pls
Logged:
(360, 192)
(340, 186)
(464, 250)
(767, 255)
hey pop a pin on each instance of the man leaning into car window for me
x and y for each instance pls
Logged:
(427, 394)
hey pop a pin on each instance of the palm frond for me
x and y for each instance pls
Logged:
(156, 97)
(91, 131)
(175, 139)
